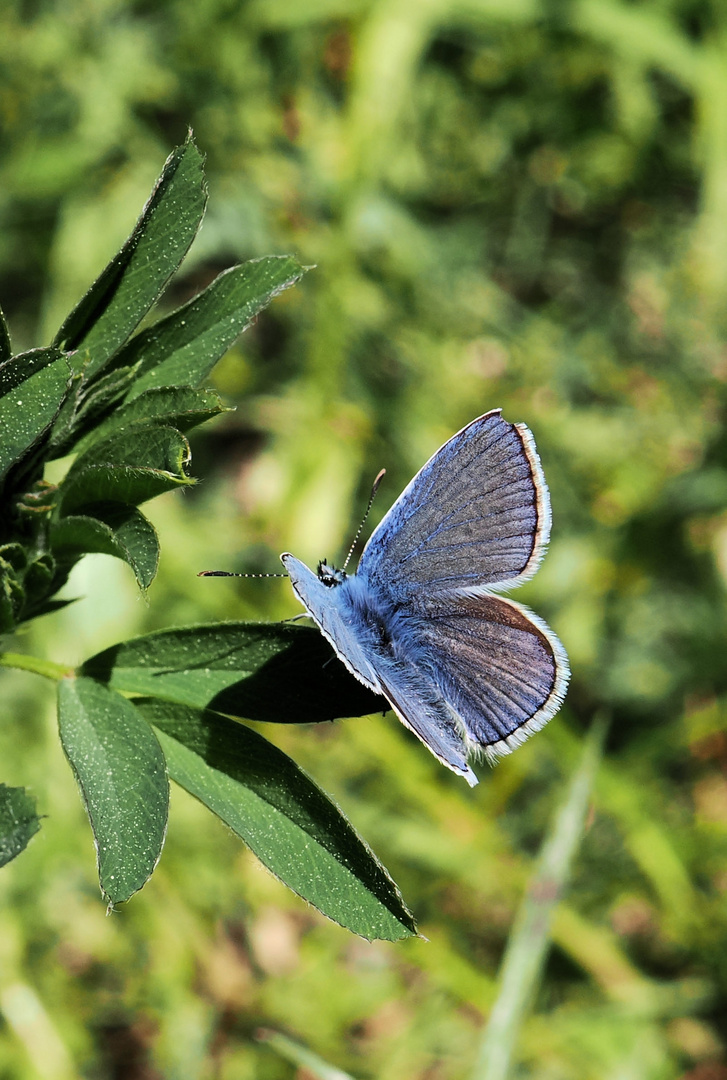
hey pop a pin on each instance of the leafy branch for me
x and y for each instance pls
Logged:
(122, 402)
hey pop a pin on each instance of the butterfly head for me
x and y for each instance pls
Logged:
(329, 576)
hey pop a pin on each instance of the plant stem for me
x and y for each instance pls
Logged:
(33, 663)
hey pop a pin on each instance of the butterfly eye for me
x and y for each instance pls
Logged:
(329, 576)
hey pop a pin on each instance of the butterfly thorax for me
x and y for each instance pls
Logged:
(329, 575)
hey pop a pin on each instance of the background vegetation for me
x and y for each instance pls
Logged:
(518, 204)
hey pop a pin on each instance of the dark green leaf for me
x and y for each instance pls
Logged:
(300, 835)
(32, 388)
(38, 578)
(180, 407)
(18, 821)
(120, 531)
(136, 276)
(65, 419)
(14, 555)
(87, 405)
(182, 348)
(120, 484)
(13, 565)
(6, 348)
(7, 610)
(153, 446)
(49, 606)
(105, 391)
(16, 370)
(120, 770)
(145, 461)
(12, 595)
(276, 672)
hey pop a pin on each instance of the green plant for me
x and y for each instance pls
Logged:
(121, 401)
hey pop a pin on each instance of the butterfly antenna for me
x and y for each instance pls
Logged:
(374, 489)
(229, 573)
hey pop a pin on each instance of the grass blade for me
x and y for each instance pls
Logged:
(296, 1054)
(530, 935)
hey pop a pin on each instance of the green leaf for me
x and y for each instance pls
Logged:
(24, 584)
(8, 617)
(32, 388)
(105, 391)
(18, 821)
(122, 484)
(179, 407)
(14, 555)
(49, 606)
(16, 370)
(113, 530)
(154, 446)
(6, 348)
(85, 406)
(136, 276)
(38, 580)
(145, 461)
(12, 594)
(120, 770)
(182, 348)
(277, 672)
(300, 835)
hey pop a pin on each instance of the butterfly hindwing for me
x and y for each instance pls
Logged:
(501, 670)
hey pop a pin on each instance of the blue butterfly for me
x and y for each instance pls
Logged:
(421, 621)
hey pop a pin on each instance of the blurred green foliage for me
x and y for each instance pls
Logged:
(520, 205)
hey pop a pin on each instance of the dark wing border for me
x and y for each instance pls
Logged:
(552, 703)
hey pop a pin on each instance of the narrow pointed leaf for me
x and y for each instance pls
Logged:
(19, 821)
(155, 446)
(140, 463)
(290, 824)
(113, 530)
(38, 581)
(32, 388)
(136, 276)
(6, 348)
(120, 770)
(179, 407)
(16, 370)
(86, 406)
(182, 349)
(12, 594)
(277, 672)
(120, 484)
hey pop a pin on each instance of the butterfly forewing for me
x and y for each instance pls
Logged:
(476, 515)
